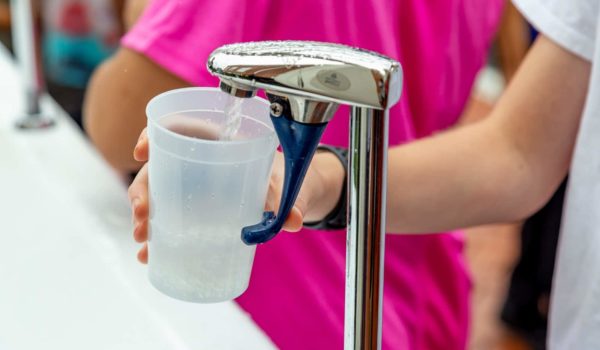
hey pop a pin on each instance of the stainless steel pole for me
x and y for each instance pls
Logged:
(26, 44)
(367, 181)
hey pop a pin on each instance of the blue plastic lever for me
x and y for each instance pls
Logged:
(298, 142)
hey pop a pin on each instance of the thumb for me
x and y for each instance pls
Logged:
(294, 221)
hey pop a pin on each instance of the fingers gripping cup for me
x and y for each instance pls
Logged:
(204, 190)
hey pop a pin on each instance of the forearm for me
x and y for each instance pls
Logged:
(501, 169)
(461, 178)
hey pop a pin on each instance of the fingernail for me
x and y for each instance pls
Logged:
(135, 152)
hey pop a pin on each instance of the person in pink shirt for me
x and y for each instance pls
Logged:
(296, 292)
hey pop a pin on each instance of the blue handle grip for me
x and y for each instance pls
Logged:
(299, 142)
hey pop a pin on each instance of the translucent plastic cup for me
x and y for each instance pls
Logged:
(204, 191)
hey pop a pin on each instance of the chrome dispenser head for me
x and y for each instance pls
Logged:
(311, 70)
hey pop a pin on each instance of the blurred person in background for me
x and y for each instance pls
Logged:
(77, 36)
(296, 292)
(4, 21)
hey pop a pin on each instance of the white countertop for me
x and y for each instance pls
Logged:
(69, 278)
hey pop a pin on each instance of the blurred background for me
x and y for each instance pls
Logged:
(511, 266)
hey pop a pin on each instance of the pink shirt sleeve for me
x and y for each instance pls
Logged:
(176, 36)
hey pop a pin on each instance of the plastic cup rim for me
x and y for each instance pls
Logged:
(154, 120)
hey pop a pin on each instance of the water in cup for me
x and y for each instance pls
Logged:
(192, 262)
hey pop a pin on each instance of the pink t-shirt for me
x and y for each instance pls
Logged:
(296, 293)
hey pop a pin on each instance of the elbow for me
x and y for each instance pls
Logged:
(527, 205)
(535, 193)
(532, 168)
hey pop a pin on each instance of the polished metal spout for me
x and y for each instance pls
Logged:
(237, 90)
(320, 71)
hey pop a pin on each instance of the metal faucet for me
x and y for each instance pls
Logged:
(27, 52)
(305, 82)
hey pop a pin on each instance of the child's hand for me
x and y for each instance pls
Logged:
(138, 196)
(319, 193)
